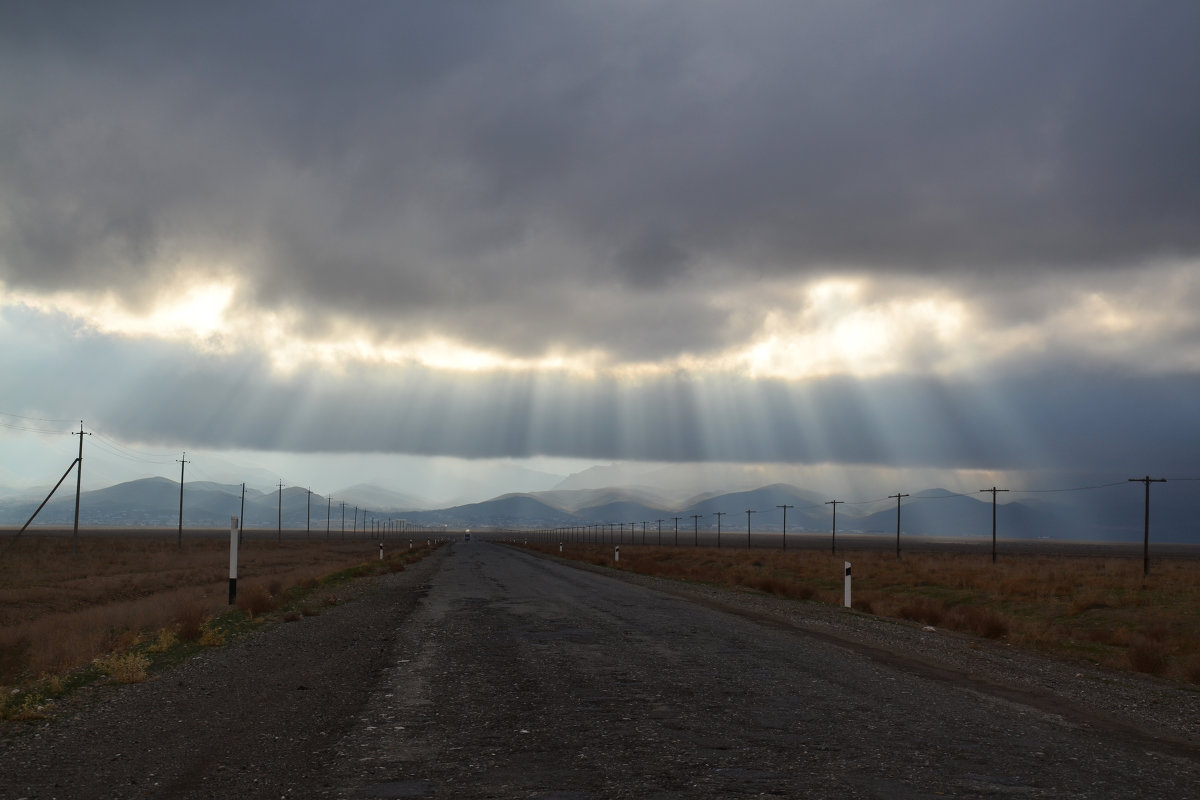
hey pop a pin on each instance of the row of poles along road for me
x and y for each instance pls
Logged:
(603, 533)
(372, 528)
(597, 532)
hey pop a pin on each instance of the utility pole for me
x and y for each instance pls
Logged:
(1146, 540)
(242, 514)
(343, 520)
(785, 508)
(328, 506)
(354, 530)
(279, 529)
(660, 522)
(643, 532)
(993, 490)
(308, 514)
(78, 487)
(696, 530)
(182, 462)
(833, 538)
(718, 515)
(676, 530)
(897, 496)
(748, 513)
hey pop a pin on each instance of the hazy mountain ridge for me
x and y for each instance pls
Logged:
(154, 502)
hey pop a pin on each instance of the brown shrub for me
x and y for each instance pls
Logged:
(188, 619)
(255, 600)
(802, 591)
(14, 655)
(1147, 655)
(1192, 669)
(275, 587)
(863, 605)
(977, 620)
(922, 609)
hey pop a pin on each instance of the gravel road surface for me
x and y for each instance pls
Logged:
(490, 672)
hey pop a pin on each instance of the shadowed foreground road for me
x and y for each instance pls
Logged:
(521, 677)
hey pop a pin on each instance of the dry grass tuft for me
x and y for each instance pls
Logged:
(128, 667)
(1148, 655)
(211, 636)
(165, 640)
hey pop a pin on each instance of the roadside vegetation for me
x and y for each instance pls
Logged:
(1099, 609)
(127, 606)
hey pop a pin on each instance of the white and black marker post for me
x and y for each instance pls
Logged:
(617, 554)
(381, 550)
(234, 528)
(847, 597)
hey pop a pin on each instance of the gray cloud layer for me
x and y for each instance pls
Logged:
(472, 167)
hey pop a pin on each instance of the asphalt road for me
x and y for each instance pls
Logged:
(486, 671)
(519, 676)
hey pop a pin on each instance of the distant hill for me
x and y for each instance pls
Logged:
(1113, 514)
(368, 495)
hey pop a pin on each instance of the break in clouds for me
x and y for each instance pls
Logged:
(641, 182)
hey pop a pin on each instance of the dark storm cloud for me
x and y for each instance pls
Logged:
(448, 166)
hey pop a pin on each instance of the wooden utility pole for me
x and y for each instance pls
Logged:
(78, 487)
(748, 513)
(718, 515)
(1146, 536)
(182, 463)
(785, 508)
(833, 538)
(328, 507)
(993, 490)
(897, 496)
(308, 514)
(696, 530)
(279, 528)
(242, 514)
(677, 529)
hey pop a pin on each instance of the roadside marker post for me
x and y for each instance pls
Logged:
(234, 528)
(847, 597)
(617, 553)
(381, 550)
(560, 547)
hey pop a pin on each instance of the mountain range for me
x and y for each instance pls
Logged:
(1108, 515)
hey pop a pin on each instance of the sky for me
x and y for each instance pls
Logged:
(433, 244)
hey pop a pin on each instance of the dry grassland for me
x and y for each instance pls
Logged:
(1099, 609)
(60, 612)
